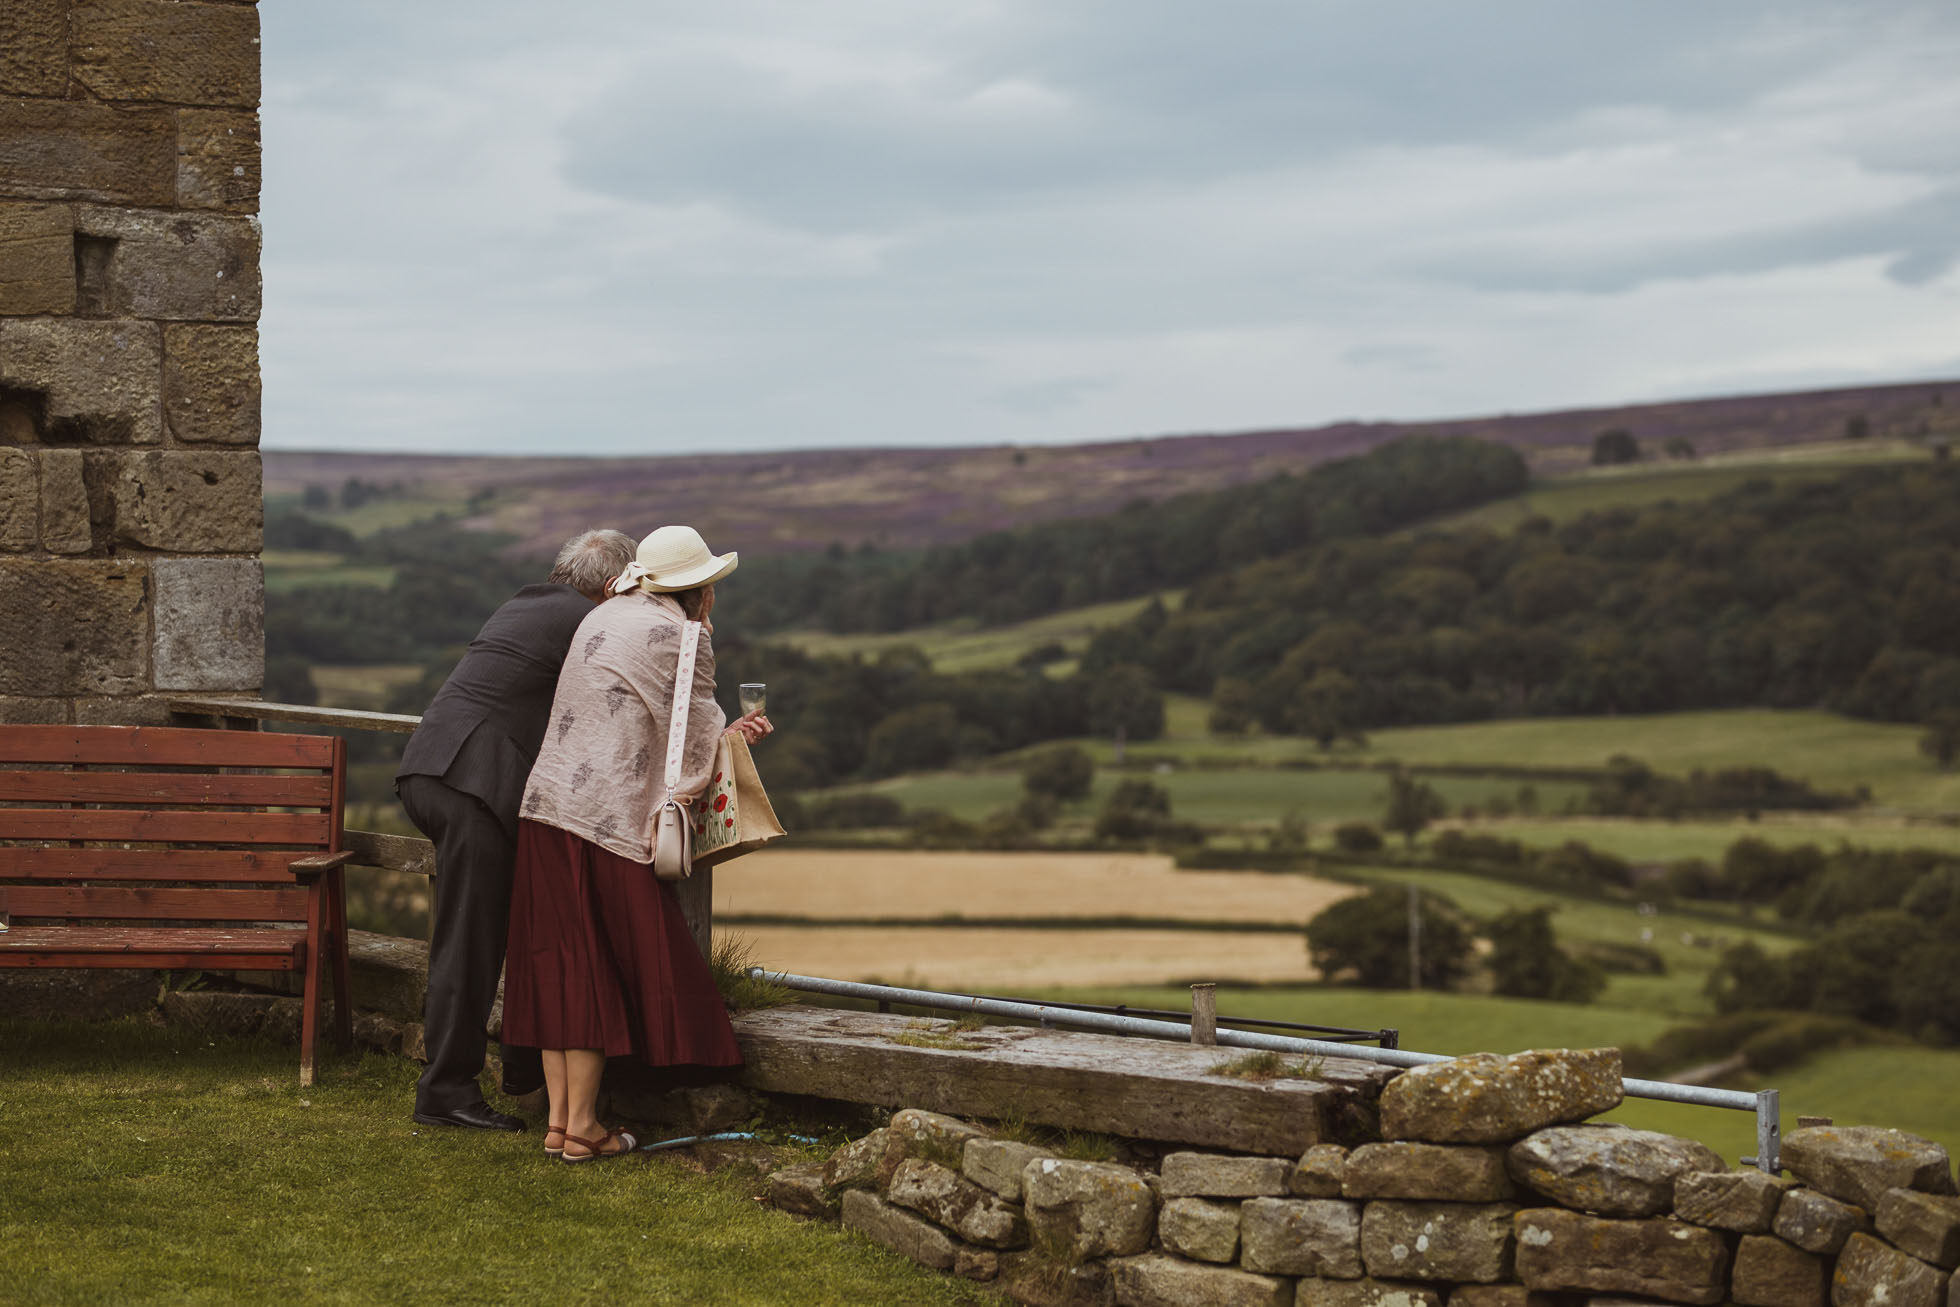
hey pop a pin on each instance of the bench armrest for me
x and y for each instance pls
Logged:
(318, 864)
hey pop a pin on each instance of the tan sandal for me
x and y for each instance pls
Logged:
(599, 1153)
(549, 1131)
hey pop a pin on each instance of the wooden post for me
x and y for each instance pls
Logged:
(697, 899)
(1204, 1013)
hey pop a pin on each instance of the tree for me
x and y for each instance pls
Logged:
(289, 680)
(1366, 940)
(1412, 805)
(1615, 445)
(913, 739)
(1941, 742)
(316, 498)
(1325, 708)
(1135, 810)
(1060, 773)
(1527, 962)
(1857, 427)
(1679, 447)
(1234, 706)
(1124, 698)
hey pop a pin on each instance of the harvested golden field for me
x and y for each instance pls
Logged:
(1008, 960)
(904, 885)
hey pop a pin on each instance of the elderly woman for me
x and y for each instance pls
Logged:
(600, 963)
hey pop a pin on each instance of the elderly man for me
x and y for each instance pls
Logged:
(461, 780)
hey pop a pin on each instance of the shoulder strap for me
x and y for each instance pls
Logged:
(683, 700)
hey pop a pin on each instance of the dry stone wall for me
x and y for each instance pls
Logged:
(1494, 1191)
(130, 487)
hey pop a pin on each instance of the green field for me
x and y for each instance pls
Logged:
(287, 570)
(1233, 796)
(1666, 841)
(361, 686)
(1566, 498)
(966, 646)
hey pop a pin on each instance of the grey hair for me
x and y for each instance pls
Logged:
(592, 558)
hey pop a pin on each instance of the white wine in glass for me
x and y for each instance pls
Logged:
(755, 697)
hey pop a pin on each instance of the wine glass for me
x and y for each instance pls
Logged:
(754, 696)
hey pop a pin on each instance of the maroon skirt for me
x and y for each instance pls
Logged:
(600, 957)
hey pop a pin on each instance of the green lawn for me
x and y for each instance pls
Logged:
(287, 570)
(151, 1165)
(965, 646)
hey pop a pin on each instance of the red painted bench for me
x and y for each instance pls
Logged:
(149, 848)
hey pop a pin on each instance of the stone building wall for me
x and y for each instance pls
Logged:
(130, 500)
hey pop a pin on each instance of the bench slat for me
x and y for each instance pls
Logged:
(124, 903)
(297, 828)
(96, 941)
(180, 789)
(233, 866)
(163, 746)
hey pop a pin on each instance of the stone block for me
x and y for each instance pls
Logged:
(800, 1189)
(1859, 1163)
(1745, 1200)
(1301, 1236)
(1498, 1295)
(947, 1198)
(933, 1137)
(57, 994)
(1488, 1099)
(1210, 1175)
(1037, 1280)
(1445, 1172)
(74, 627)
(144, 710)
(1560, 1251)
(216, 1012)
(982, 1264)
(218, 159)
(1199, 1229)
(189, 501)
(37, 259)
(198, 267)
(1608, 1170)
(76, 150)
(169, 51)
(1871, 1274)
(20, 501)
(1437, 1241)
(1771, 1273)
(1817, 1223)
(211, 383)
(899, 1230)
(34, 47)
(998, 1164)
(1925, 1225)
(1159, 1281)
(1318, 1172)
(98, 383)
(210, 623)
(857, 1165)
(64, 503)
(1079, 1210)
(16, 711)
(1365, 1293)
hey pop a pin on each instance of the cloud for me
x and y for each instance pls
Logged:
(657, 227)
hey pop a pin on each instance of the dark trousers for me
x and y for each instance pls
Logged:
(475, 863)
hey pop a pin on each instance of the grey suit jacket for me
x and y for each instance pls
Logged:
(482, 732)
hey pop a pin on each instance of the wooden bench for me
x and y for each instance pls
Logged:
(148, 848)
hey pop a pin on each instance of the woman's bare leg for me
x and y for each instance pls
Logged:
(583, 1068)
(555, 1092)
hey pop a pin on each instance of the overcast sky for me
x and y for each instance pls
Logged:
(636, 226)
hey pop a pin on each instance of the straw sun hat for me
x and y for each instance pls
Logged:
(674, 558)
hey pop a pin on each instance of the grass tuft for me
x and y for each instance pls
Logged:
(1267, 1065)
(730, 960)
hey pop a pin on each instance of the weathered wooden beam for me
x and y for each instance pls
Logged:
(1140, 1088)
(259, 710)
(391, 852)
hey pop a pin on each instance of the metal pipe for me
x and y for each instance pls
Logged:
(1763, 1104)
